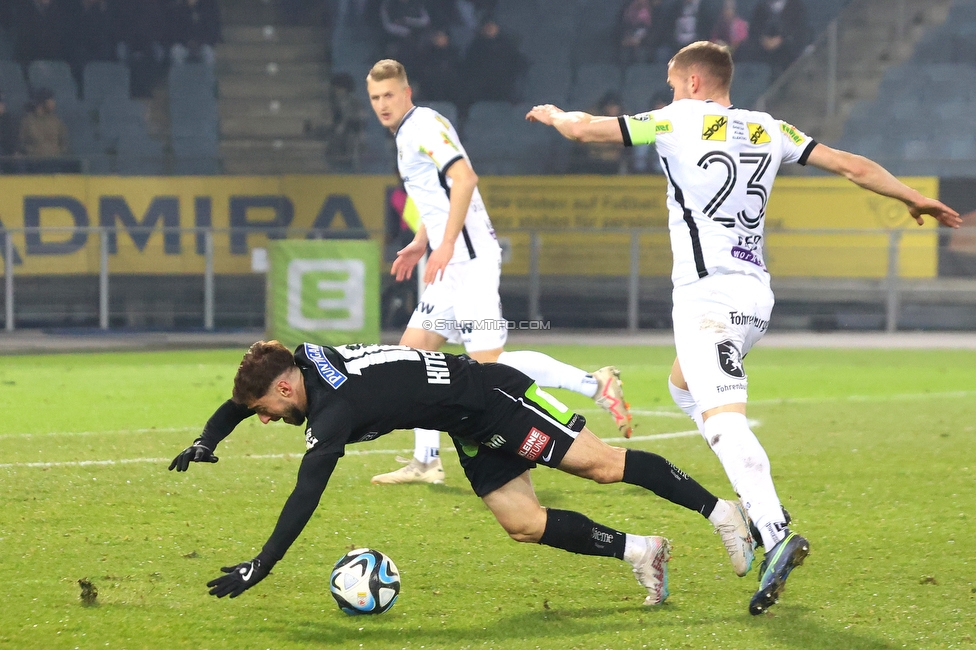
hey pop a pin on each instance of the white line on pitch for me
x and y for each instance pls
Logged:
(349, 452)
(639, 412)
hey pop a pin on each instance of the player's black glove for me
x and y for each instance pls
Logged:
(195, 453)
(238, 579)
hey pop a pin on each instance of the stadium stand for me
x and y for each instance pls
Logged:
(931, 97)
(194, 118)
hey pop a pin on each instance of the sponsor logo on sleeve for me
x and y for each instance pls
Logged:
(664, 126)
(533, 445)
(758, 134)
(715, 128)
(792, 133)
(329, 373)
(310, 440)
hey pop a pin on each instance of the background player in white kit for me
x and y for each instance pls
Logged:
(720, 163)
(464, 266)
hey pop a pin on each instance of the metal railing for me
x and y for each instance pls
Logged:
(539, 255)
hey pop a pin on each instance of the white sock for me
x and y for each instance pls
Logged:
(426, 444)
(634, 548)
(549, 373)
(719, 513)
(686, 403)
(747, 466)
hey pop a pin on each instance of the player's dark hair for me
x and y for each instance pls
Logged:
(262, 363)
(712, 59)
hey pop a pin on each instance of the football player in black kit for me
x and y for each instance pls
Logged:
(501, 422)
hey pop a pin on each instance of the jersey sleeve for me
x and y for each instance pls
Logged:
(435, 139)
(313, 475)
(329, 428)
(227, 416)
(797, 145)
(639, 129)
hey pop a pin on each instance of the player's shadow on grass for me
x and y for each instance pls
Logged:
(792, 627)
(797, 627)
(537, 626)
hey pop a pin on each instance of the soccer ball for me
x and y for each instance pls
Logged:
(365, 581)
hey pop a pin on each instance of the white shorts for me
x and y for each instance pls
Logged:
(717, 320)
(464, 306)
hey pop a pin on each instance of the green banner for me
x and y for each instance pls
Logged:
(324, 291)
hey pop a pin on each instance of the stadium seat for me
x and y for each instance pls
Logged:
(593, 81)
(641, 83)
(138, 154)
(13, 86)
(526, 148)
(595, 29)
(548, 84)
(192, 101)
(105, 80)
(962, 11)
(751, 80)
(55, 75)
(114, 117)
(447, 109)
(196, 156)
(6, 46)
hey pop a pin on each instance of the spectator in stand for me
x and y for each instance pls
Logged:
(731, 29)
(141, 43)
(39, 31)
(44, 137)
(439, 71)
(94, 36)
(193, 30)
(600, 157)
(9, 139)
(492, 66)
(636, 29)
(345, 135)
(404, 22)
(778, 33)
(684, 22)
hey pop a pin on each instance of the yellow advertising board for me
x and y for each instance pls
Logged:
(62, 214)
(797, 205)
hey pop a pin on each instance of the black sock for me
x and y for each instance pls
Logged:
(577, 533)
(658, 475)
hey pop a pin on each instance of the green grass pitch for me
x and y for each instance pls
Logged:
(872, 452)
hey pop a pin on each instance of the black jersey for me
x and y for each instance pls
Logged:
(357, 393)
(360, 392)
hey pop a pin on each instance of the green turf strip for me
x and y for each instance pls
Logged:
(871, 451)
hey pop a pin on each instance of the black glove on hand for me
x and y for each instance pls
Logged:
(196, 453)
(238, 579)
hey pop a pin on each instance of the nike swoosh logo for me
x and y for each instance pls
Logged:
(247, 574)
(545, 459)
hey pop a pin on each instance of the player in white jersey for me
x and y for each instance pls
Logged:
(720, 162)
(461, 302)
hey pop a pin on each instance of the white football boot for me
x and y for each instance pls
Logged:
(610, 397)
(413, 472)
(737, 537)
(652, 569)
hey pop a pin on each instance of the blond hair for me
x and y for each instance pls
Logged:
(387, 69)
(712, 60)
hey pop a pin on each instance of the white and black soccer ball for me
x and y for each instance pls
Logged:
(365, 581)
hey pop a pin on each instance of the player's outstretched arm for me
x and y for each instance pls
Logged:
(871, 176)
(313, 476)
(577, 125)
(219, 426)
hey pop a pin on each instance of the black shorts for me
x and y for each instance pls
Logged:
(521, 426)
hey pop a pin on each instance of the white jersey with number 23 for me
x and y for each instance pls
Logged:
(720, 163)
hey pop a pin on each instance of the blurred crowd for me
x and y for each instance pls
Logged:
(130, 31)
(776, 33)
(453, 49)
